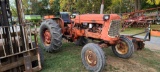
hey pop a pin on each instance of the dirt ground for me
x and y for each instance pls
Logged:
(129, 65)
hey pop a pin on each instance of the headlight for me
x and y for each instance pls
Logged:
(106, 17)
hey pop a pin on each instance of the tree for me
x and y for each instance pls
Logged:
(137, 5)
(115, 6)
(13, 8)
(67, 5)
(121, 6)
(26, 7)
(45, 7)
(90, 6)
(156, 2)
(55, 7)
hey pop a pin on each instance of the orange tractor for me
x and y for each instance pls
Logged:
(104, 28)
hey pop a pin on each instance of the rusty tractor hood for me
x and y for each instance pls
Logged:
(95, 17)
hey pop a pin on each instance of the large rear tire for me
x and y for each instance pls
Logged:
(124, 48)
(93, 57)
(50, 35)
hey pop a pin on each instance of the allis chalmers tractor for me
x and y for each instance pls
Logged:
(18, 52)
(103, 28)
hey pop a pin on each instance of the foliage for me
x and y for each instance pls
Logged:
(153, 2)
(13, 9)
(42, 7)
(45, 7)
(146, 5)
(55, 7)
(26, 6)
(48, 7)
(67, 5)
(115, 6)
(91, 6)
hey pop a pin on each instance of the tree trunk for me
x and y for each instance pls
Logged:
(137, 5)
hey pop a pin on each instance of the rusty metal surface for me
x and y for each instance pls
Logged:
(90, 57)
(138, 42)
(121, 47)
(27, 63)
(153, 44)
(16, 44)
(15, 64)
(20, 50)
(140, 18)
(47, 37)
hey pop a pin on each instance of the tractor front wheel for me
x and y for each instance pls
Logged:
(93, 57)
(124, 48)
(50, 35)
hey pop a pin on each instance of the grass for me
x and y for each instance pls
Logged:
(149, 58)
(132, 30)
(69, 59)
(138, 30)
(155, 27)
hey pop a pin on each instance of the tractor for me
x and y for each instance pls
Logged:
(102, 29)
(19, 51)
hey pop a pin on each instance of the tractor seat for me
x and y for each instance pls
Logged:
(66, 18)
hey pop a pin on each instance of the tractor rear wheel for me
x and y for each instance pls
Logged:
(93, 57)
(124, 48)
(50, 35)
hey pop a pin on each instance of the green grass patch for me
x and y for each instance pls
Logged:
(155, 27)
(67, 60)
(133, 30)
(138, 30)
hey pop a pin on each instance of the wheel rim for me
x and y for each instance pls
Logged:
(122, 47)
(47, 37)
(90, 57)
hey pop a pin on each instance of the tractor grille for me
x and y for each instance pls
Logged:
(114, 28)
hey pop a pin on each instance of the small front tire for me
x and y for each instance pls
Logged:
(93, 57)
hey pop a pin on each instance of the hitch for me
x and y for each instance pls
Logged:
(139, 42)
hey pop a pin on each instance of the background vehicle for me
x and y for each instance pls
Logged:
(141, 18)
(18, 52)
(35, 19)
